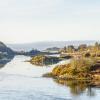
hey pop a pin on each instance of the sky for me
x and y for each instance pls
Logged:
(26, 21)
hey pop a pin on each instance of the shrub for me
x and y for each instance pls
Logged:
(77, 67)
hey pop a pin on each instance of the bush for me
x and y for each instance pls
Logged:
(87, 55)
(79, 68)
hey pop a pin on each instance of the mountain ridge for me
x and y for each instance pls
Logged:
(47, 44)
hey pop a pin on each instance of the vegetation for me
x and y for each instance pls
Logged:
(78, 69)
(41, 60)
(85, 64)
(73, 69)
(82, 50)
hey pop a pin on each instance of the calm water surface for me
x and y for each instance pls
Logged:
(20, 80)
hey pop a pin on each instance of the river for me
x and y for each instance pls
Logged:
(19, 80)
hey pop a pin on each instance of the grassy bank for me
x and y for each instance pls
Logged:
(77, 69)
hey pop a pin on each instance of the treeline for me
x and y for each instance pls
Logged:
(85, 50)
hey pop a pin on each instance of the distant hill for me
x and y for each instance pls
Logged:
(28, 53)
(53, 49)
(46, 44)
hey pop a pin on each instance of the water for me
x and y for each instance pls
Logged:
(20, 80)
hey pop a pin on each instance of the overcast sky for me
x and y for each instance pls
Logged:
(24, 21)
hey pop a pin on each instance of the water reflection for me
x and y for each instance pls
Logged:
(4, 62)
(90, 91)
(2, 65)
(78, 87)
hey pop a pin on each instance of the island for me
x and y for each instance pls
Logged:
(44, 60)
(84, 66)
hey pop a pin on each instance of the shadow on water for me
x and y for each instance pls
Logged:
(78, 87)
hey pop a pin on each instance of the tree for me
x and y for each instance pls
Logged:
(82, 47)
(70, 48)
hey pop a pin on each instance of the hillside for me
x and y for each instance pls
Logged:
(6, 53)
